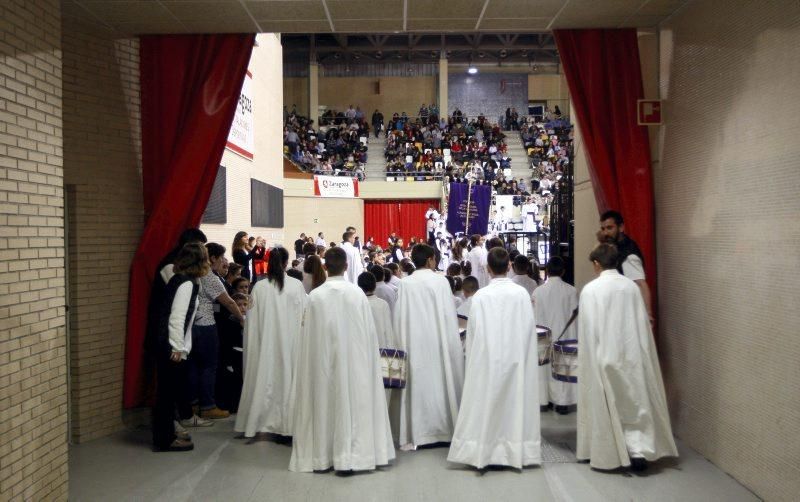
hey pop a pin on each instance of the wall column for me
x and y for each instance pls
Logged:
(443, 75)
(313, 91)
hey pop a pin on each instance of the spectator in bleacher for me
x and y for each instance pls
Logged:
(377, 122)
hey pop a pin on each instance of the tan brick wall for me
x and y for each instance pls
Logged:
(728, 237)
(33, 369)
(102, 150)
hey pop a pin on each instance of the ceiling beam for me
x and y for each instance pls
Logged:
(424, 47)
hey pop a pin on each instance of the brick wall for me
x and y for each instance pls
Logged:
(104, 220)
(728, 237)
(33, 369)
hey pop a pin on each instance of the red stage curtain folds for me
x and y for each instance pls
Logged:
(406, 218)
(190, 86)
(605, 81)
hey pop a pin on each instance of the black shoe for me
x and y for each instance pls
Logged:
(562, 410)
(638, 464)
(543, 408)
(177, 445)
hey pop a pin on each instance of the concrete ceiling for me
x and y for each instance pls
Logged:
(132, 17)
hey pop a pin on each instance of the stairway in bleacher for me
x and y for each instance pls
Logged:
(375, 169)
(519, 157)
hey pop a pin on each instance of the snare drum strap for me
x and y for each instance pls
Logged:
(571, 320)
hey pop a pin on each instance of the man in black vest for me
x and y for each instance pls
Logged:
(630, 261)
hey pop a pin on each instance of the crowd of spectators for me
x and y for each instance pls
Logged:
(338, 147)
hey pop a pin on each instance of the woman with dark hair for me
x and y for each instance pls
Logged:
(242, 253)
(273, 324)
(313, 273)
(172, 345)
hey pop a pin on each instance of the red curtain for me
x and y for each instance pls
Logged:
(406, 218)
(605, 80)
(190, 87)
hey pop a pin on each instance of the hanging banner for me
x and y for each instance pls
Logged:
(479, 201)
(240, 138)
(335, 186)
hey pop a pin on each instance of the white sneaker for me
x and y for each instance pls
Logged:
(196, 421)
(181, 433)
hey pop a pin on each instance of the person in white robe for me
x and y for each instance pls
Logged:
(529, 212)
(382, 288)
(477, 259)
(553, 304)
(622, 414)
(355, 264)
(425, 320)
(271, 330)
(524, 275)
(340, 418)
(498, 423)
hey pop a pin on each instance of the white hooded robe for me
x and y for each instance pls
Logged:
(622, 407)
(477, 258)
(270, 333)
(425, 320)
(355, 264)
(340, 418)
(553, 304)
(498, 423)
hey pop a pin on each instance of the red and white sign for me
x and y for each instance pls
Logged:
(241, 137)
(335, 186)
(649, 111)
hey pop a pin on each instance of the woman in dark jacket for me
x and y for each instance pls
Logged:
(242, 253)
(173, 344)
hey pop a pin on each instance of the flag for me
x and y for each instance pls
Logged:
(479, 203)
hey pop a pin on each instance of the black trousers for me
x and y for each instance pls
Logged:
(171, 396)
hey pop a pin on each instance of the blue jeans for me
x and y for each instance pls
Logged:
(203, 365)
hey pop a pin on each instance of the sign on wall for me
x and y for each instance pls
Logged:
(335, 186)
(649, 111)
(240, 137)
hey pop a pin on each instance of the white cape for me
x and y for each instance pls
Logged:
(386, 293)
(622, 407)
(340, 418)
(477, 259)
(498, 423)
(271, 331)
(355, 264)
(425, 320)
(383, 323)
(553, 304)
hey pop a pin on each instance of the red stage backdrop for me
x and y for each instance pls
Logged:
(605, 82)
(190, 89)
(404, 217)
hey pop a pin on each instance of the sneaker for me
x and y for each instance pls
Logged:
(196, 421)
(181, 432)
(178, 445)
(214, 413)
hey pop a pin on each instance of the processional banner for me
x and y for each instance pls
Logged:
(478, 198)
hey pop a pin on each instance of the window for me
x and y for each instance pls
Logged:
(216, 209)
(266, 205)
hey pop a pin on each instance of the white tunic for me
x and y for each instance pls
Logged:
(386, 293)
(340, 418)
(270, 333)
(498, 423)
(526, 282)
(355, 265)
(477, 259)
(425, 321)
(383, 323)
(622, 408)
(553, 304)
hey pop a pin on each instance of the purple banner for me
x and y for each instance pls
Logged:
(479, 202)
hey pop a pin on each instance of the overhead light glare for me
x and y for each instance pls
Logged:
(472, 70)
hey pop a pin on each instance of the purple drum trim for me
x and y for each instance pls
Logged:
(394, 383)
(392, 353)
(566, 346)
(565, 378)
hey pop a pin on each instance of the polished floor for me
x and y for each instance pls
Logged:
(122, 467)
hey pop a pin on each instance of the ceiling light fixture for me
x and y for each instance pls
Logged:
(472, 70)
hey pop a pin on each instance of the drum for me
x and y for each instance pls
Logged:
(393, 368)
(565, 361)
(543, 337)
